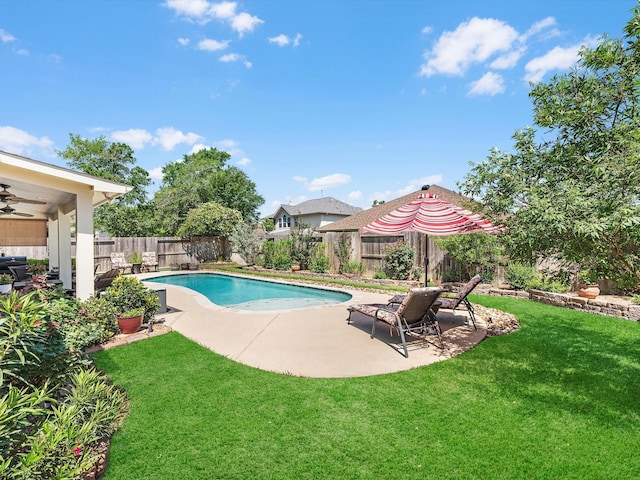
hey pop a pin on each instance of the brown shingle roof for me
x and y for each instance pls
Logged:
(355, 222)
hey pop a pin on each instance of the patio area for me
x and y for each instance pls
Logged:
(311, 342)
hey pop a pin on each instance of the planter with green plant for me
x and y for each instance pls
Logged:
(6, 281)
(127, 293)
(130, 321)
(135, 259)
(588, 286)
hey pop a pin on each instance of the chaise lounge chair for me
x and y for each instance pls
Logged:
(102, 281)
(455, 302)
(149, 261)
(412, 315)
(118, 261)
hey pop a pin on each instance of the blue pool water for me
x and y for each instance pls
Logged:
(250, 294)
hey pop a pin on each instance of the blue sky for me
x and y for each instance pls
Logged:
(354, 99)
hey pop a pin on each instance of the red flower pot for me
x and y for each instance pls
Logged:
(130, 324)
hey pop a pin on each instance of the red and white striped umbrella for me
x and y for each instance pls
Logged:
(431, 215)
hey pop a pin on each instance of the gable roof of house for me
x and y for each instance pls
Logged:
(355, 222)
(326, 205)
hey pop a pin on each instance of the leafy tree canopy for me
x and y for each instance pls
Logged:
(210, 220)
(573, 190)
(112, 161)
(200, 178)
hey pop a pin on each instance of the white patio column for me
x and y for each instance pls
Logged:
(53, 244)
(64, 248)
(84, 244)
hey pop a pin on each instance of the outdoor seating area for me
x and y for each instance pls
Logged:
(415, 314)
(118, 261)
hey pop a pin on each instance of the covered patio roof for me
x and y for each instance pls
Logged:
(60, 193)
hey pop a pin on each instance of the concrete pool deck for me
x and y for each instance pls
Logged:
(311, 342)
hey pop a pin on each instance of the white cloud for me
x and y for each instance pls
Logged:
(6, 37)
(155, 173)
(169, 137)
(210, 45)
(508, 60)
(184, 41)
(280, 40)
(355, 195)
(330, 181)
(203, 11)
(490, 84)
(197, 147)
(235, 57)
(18, 141)
(228, 143)
(296, 40)
(298, 178)
(427, 30)
(472, 42)
(546, 24)
(556, 59)
(244, 22)
(136, 138)
(412, 186)
(244, 161)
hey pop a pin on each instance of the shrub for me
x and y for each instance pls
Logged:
(246, 242)
(417, 273)
(353, 267)
(546, 284)
(319, 260)
(379, 273)
(451, 275)
(342, 250)
(302, 245)
(398, 261)
(128, 292)
(519, 276)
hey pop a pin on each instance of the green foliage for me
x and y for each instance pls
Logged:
(268, 225)
(635, 299)
(519, 276)
(282, 255)
(342, 250)
(573, 191)
(380, 273)
(134, 257)
(210, 220)
(417, 273)
(127, 292)
(319, 259)
(5, 279)
(246, 242)
(200, 178)
(398, 261)
(353, 267)
(85, 324)
(127, 214)
(452, 275)
(540, 282)
(477, 253)
(302, 244)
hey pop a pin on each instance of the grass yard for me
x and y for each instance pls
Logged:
(560, 398)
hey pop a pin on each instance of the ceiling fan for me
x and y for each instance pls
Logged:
(7, 210)
(7, 197)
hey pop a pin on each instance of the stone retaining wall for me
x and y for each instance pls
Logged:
(601, 305)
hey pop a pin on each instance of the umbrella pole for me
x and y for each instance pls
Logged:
(426, 260)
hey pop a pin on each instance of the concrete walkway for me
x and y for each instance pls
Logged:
(311, 342)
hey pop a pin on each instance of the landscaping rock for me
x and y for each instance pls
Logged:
(498, 322)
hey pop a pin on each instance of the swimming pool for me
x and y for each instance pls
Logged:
(252, 294)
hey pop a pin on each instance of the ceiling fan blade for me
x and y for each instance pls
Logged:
(6, 196)
(20, 214)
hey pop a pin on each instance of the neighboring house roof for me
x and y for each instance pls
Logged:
(326, 205)
(355, 222)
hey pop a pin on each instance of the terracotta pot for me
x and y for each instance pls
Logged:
(130, 324)
(589, 291)
(295, 268)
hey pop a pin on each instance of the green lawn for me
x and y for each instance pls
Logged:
(560, 398)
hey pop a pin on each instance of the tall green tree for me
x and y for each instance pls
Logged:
(128, 215)
(199, 178)
(573, 190)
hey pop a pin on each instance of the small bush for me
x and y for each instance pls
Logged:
(380, 273)
(353, 267)
(319, 260)
(635, 299)
(547, 285)
(519, 276)
(128, 292)
(398, 261)
(451, 275)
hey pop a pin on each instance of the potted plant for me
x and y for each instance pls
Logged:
(6, 281)
(127, 293)
(130, 321)
(588, 284)
(135, 259)
(174, 266)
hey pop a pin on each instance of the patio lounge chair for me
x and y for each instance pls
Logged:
(149, 261)
(413, 315)
(455, 302)
(118, 261)
(102, 281)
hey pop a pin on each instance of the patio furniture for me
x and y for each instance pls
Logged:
(102, 281)
(118, 261)
(455, 302)
(20, 273)
(412, 316)
(149, 261)
(7, 261)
